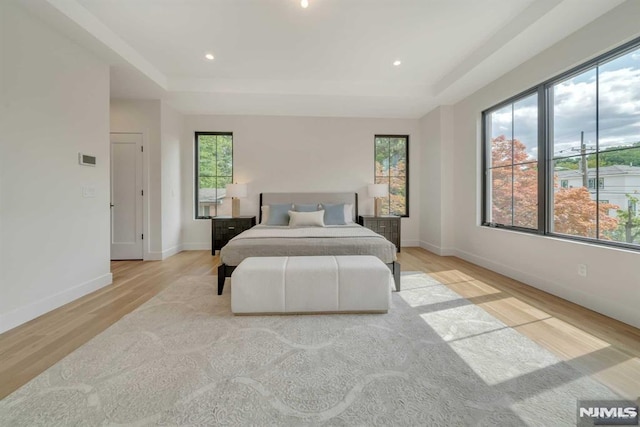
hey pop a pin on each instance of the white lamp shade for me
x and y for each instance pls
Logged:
(378, 190)
(237, 190)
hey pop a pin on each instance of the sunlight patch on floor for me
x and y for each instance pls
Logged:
(413, 294)
(461, 322)
(501, 355)
(563, 339)
(513, 312)
(451, 276)
(473, 288)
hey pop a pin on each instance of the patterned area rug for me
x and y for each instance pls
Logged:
(183, 359)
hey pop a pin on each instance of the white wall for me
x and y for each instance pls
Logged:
(171, 133)
(144, 116)
(613, 283)
(436, 177)
(285, 154)
(430, 177)
(54, 244)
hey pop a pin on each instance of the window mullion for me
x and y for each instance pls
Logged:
(513, 167)
(597, 165)
(543, 155)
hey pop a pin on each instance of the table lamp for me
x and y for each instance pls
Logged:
(235, 191)
(378, 191)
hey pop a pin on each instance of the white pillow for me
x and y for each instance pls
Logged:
(306, 219)
(265, 214)
(348, 213)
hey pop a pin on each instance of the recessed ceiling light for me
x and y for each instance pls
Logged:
(397, 62)
(304, 3)
(209, 56)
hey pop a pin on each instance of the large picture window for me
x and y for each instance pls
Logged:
(214, 170)
(392, 169)
(579, 136)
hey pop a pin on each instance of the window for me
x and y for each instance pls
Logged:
(512, 172)
(392, 168)
(214, 170)
(548, 152)
(592, 183)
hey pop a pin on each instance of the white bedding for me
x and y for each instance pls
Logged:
(264, 240)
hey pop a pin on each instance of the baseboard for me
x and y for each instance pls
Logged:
(409, 243)
(595, 303)
(436, 249)
(430, 247)
(171, 251)
(196, 246)
(29, 312)
(153, 256)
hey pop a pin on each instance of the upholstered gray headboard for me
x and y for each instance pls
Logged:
(329, 198)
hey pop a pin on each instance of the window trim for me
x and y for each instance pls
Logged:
(485, 162)
(196, 174)
(545, 183)
(406, 173)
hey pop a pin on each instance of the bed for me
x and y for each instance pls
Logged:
(265, 240)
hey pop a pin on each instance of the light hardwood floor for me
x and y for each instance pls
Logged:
(596, 345)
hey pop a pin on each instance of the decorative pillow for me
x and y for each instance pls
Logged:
(334, 214)
(279, 214)
(306, 219)
(306, 207)
(348, 213)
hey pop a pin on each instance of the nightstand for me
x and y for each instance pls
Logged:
(388, 226)
(224, 228)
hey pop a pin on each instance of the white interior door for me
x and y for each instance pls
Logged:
(126, 196)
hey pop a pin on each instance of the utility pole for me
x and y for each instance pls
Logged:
(584, 166)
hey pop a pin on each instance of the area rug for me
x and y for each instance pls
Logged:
(182, 358)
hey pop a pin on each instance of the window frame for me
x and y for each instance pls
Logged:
(406, 173)
(545, 151)
(197, 168)
(541, 160)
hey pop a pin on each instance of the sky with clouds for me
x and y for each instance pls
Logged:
(611, 93)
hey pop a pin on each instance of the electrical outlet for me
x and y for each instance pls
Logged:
(582, 270)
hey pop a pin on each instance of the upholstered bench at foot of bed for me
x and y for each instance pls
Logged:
(311, 284)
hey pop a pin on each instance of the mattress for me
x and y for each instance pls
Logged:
(264, 240)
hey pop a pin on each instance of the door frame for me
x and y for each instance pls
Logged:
(145, 188)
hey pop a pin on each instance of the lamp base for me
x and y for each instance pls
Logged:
(235, 207)
(377, 206)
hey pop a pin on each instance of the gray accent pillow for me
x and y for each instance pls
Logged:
(334, 214)
(312, 207)
(279, 214)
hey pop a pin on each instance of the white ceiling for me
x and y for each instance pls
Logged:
(332, 59)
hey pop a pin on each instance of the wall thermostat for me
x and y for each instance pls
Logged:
(86, 160)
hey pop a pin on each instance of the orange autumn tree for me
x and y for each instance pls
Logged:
(575, 213)
(517, 184)
(514, 180)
